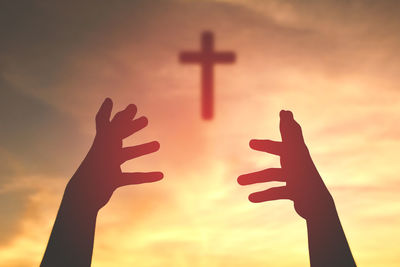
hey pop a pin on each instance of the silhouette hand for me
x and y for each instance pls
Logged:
(100, 173)
(303, 183)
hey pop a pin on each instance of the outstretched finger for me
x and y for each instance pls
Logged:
(103, 115)
(273, 193)
(267, 175)
(132, 127)
(125, 115)
(269, 146)
(139, 150)
(129, 178)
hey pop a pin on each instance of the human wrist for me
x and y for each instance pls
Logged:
(77, 201)
(328, 214)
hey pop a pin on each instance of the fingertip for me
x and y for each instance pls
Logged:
(253, 143)
(153, 146)
(250, 143)
(156, 145)
(286, 115)
(239, 180)
(103, 114)
(159, 175)
(252, 198)
(259, 144)
(155, 176)
(107, 102)
(290, 115)
(131, 108)
(130, 111)
(144, 120)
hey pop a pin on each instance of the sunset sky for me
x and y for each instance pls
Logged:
(334, 63)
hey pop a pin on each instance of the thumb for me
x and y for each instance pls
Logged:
(290, 130)
(103, 115)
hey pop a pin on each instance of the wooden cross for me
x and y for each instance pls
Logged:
(207, 57)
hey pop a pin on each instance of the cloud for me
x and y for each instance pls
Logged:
(13, 204)
(32, 133)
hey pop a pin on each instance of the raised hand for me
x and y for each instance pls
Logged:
(100, 172)
(303, 183)
(90, 188)
(312, 201)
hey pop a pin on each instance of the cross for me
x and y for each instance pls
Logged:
(207, 57)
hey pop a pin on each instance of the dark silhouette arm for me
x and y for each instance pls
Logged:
(327, 242)
(304, 186)
(72, 237)
(90, 188)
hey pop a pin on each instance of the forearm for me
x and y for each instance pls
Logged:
(72, 237)
(327, 242)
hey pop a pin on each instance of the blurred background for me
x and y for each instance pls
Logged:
(335, 64)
